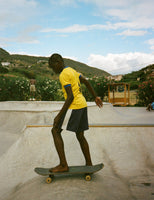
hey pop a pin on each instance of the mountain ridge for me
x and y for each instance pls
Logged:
(19, 61)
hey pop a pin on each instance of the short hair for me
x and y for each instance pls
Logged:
(54, 59)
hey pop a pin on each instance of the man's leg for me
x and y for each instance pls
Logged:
(85, 147)
(59, 144)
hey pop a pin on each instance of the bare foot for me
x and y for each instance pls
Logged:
(59, 168)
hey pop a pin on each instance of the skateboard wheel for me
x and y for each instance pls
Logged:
(48, 180)
(88, 178)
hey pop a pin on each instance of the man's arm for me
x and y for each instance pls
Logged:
(65, 107)
(97, 99)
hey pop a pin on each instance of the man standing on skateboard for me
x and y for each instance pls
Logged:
(78, 122)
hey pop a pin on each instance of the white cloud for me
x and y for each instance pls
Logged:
(71, 57)
(63, 2)
(82, 28)
(25, 53)
(77, 28)
(108, 26)
(124, 9)
(71, 29)
(27, 39)
(140, 13)
(24, 36)
(121, 63)
(151, 43)
(109, 3)
(132, 33)
(136, 16)
(15, 11)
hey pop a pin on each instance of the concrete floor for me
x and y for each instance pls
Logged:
(126, 151)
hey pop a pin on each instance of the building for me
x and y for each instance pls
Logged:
(115, 77)
(4, 64)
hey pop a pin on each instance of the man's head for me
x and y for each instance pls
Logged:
(56, 62)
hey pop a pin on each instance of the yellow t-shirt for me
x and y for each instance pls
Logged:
(69, 77)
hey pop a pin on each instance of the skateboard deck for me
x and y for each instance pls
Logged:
(85, 170)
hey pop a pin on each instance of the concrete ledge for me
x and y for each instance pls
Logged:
(96, 125)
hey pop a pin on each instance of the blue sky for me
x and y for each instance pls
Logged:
(116, 36)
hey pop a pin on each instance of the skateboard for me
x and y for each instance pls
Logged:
(87, 171)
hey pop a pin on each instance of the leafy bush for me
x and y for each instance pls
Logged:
(18, 89)
(3, 70)
(13, 89)
(28, 74)
(146, 93)
(134, 85)
(99, 85)
(49, 90)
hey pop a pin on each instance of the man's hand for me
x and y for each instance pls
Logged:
(98, 102)
(91, 90)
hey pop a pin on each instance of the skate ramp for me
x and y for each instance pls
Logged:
(13, 123)
(127, 153)
(14, 116)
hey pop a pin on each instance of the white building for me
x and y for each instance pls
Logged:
(5, 64)
(115, 77)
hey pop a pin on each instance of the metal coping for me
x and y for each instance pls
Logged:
(96, 125)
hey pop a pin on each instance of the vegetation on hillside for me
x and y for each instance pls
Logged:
(4, 55)
(137, 77)
(36, 67)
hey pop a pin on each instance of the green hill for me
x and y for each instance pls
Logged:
(35, 66)
(141, 75)
(4, 55)
(137, 77)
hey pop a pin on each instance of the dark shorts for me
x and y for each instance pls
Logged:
(78, 121)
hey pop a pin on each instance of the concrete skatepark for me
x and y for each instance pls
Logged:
(120, 137)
